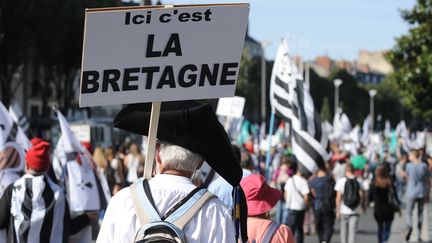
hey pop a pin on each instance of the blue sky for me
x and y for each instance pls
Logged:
(338, 28)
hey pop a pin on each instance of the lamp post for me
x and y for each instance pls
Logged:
(372, 94)
(337, 83)
(264, 44)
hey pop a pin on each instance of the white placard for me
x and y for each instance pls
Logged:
(82, 132)
(149, 54)
(231, 106)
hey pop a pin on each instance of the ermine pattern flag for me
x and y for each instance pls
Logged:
(13, 143)
(86, 189)
(18, 117)
(38, 209)
(291, 100)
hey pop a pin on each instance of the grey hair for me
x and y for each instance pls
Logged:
(178, 158)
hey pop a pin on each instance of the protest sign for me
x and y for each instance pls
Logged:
(231, 107)
(82, 132)
(153, 54)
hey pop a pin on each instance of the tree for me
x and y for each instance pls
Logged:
(325, 110)
(411, 58)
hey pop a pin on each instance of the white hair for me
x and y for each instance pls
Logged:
(178, 158)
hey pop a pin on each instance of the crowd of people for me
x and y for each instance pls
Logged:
(207, 192)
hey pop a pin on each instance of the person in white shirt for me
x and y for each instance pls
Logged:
(296, 201)
(348, 217)
(180, 152)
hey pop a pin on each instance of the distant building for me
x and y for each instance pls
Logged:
(371, 66)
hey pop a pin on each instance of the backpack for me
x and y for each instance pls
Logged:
(168, 228)
(329, 194)
(352, 193)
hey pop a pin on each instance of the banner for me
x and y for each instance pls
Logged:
(142, 54)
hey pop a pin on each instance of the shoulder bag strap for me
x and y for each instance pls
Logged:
(181, 216)
(143, 202)
(271, 230)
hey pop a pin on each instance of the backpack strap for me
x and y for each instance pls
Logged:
(271, 230)
(143, 202)
(188, 209)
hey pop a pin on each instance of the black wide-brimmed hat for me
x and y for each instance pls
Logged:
(190, 125)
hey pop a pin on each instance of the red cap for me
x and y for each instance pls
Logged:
(37, 156)
(260, 197)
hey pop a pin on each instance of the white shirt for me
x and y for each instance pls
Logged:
(213, 223)
(132, 164)
(340, 187)
(295, 186)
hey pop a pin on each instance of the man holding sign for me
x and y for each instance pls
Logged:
(158, 54)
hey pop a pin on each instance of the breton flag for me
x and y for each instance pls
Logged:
(13, 143)
(38, 210)
(291, 100)
(19, 117)
(86, 189)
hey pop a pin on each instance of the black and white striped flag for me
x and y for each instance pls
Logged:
(37, 209)
(291, 100)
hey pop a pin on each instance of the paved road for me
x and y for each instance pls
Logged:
(367, 229)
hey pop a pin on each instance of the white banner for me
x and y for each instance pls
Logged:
(231, 107)
(141, 54)
(82, 132)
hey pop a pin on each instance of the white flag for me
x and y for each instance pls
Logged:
(85, 189)
(13, 143)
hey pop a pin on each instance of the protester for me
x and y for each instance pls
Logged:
(9, 161)
(296, 201)
(281, 176)
(322, 189)
(260, 200)
(217, 185)
(417, 180)
(386, 202)
(350, 198)
(117, 166)
(132, 161)
(34, 209)
(401, 177)
(176, 163)
(104, 167)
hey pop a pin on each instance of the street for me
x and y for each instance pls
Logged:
(367, 228)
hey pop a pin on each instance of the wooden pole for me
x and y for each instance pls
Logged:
(151, 140)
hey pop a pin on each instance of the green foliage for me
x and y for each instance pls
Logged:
(411, 58)
(43, 40)
(249, 85)
(325, 111)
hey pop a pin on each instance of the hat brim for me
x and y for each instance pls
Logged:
(188, 124)
(264, 204)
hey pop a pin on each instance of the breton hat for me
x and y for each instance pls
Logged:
(260, 197)
(190, 125)
(37, 156)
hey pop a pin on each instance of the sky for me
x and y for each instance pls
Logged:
(337, 28)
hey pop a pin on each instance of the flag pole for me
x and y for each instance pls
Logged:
(270, 135)
(151, 140)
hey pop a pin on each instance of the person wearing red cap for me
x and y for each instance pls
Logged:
(35, 205)
(261, 198)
